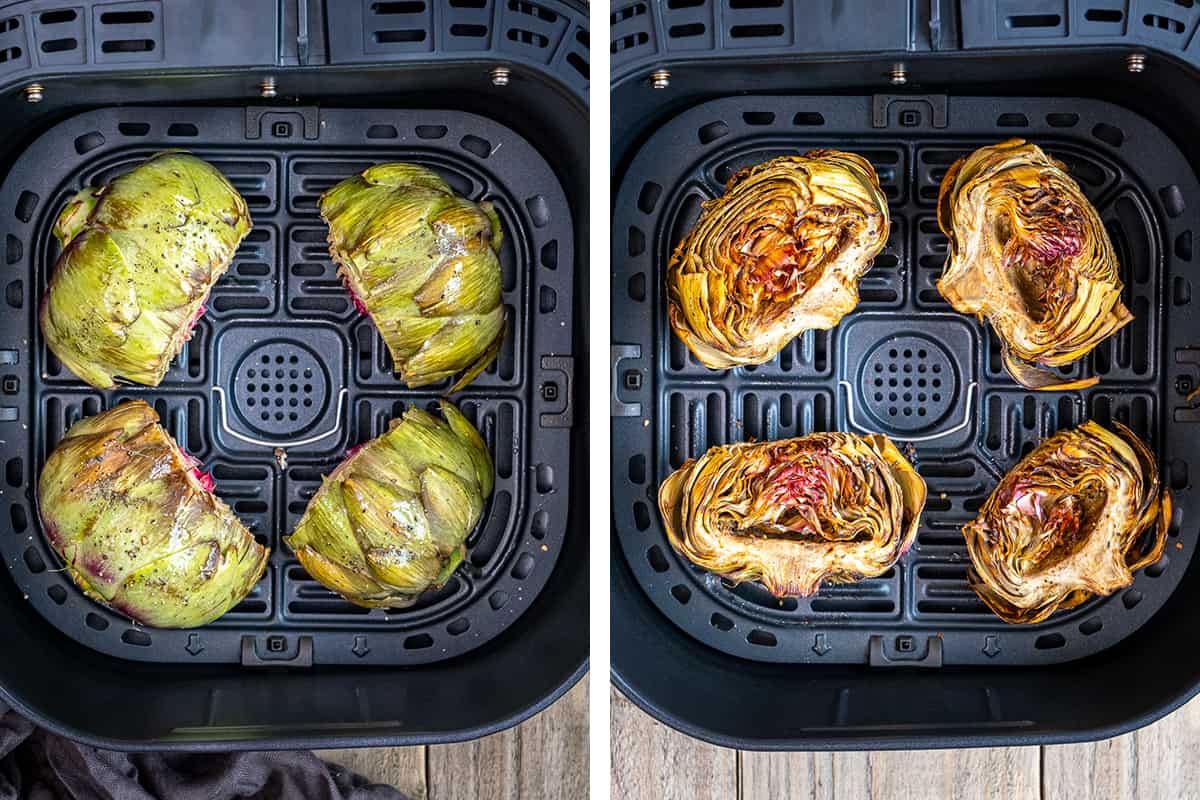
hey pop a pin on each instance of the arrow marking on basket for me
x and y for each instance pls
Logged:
(360, 648)
(193, 644)
(991, 646)
(820, 646)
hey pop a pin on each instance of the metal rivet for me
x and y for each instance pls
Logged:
(500, 76)
(898, 75)
(267, 88)
(660, 78)
(34, 93)
(1135, 62)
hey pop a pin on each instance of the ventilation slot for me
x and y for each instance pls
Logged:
(9, 54)
(627, 42)
(1103, 15)
(532, 10)
(127, 46)
(409, 7)
(53, 17)
(1034, 21)
(126, 17)
(628, 12)
(399, 36)
(382, 132)
(755, 31)
(1162, 23)
(686, 31)
(59, 45)
(527, 37)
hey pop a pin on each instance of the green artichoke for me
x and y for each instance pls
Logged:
(139, 259)
(390, 521)
(138, 526)
(423, 264)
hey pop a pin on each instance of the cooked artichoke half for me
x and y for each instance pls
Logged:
(423, 263)
(391, 520)
(1074, 519)
(793, 513)
(138, 525)
(778, 254)
(139, 258)
(1029, 254)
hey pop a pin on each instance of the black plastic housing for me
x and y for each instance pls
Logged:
(320, 57)
(738, 702)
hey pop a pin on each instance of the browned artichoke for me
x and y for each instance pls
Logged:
(1029, 254)
(778, 254)
(792, 513)
(1074, 519)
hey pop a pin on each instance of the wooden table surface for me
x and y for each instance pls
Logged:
(543, 757)
(652, 762)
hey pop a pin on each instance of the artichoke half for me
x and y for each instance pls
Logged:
(138, 526)
(424, 264)
(139, 258)
(1074, 519)
(792, 513)
(391, 520)
(778, 254)
(1029, 254)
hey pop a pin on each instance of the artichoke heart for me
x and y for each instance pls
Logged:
(139, 259)
(1029, 254)
(778, 254)
(792, 513)
(391, 520)
(137, 525)
(1073, 520)
(424, 264)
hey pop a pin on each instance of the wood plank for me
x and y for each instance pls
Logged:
(1001, 773)
(653, 762)
(544, 757)
(1156, 761)
(401, 767)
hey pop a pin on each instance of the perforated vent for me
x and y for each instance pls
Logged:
(128, 32)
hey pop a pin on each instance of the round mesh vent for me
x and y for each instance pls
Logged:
(280, 388)
(909, 383)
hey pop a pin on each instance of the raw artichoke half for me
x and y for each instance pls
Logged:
(138, 526)
(1074, 519)
(1029, 254)
(423, 263)
(778, 254)
(139, 258)
(793, 513)
(391, 520)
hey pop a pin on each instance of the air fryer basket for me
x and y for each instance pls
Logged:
(837, 670)
(282, 376)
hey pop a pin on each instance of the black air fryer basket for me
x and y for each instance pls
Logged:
(287, 99)
(911, 658)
